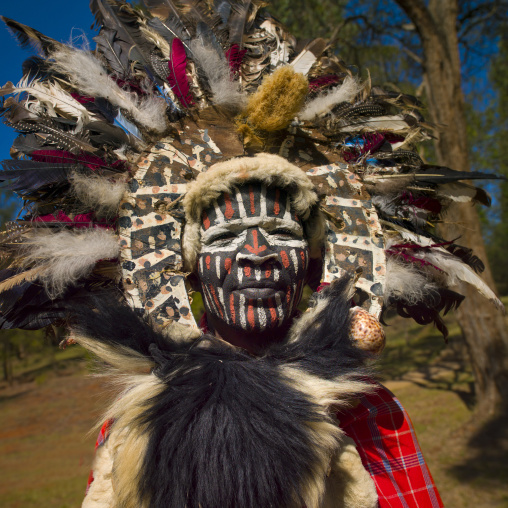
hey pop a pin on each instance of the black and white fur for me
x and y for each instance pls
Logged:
(204, 424)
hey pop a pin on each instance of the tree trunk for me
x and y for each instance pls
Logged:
(483, 326)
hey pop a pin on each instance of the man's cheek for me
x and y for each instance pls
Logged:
(215, 267)
(294, 262)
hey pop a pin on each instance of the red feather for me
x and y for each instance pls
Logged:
(91, 161)
(82, 220)
(177, 73)
(234, 56)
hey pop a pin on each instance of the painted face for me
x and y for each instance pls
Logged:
(253, 258)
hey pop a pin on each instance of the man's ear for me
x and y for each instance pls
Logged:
(193, 280)
(314, 272)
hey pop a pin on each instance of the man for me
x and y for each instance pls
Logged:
(254, 234)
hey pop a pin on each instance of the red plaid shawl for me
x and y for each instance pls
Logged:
(389, 449)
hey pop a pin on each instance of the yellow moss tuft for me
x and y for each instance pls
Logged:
(274, 105)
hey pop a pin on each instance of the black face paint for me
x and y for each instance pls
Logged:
(253, 258)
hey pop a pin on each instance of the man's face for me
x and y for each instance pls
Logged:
(253, 258)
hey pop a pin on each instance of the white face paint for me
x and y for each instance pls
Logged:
(254, 252)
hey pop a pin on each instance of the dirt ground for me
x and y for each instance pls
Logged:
(46, 447)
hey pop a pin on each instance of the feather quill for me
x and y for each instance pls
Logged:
(115, 51)
(52, 98)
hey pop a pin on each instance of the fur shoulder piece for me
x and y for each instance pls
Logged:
(206, 424)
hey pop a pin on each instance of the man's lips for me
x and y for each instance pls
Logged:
(257, 284)
(259, 291)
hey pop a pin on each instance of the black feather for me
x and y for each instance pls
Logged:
(115, 51)
(27, 176)
(440, 174)
(467, 256)
(428, 310)
(121, 18)
(55, 131)
(30, 38)
(27, 143)
(36, 67)
(238, 21)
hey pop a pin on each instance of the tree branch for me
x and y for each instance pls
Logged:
(418, 13)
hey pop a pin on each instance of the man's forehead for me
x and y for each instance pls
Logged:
(250, 200)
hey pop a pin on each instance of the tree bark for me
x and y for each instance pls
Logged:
(483, 326)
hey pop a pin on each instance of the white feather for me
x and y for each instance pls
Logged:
(304, 61)
(67, 256)
(87, 74)
(324, 103)
(225, 91)
(405, 282)
(379, 123)
(454, 270)
(50, 98)
(457, 271)
(98, 193)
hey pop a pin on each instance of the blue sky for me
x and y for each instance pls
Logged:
(58, 19)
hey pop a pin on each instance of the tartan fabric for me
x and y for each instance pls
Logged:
(390, 452)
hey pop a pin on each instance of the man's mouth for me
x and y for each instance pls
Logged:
(255, 292)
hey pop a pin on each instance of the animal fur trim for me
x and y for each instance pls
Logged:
(348, 483)
(98, 193)
(212, 426)
(268, 169)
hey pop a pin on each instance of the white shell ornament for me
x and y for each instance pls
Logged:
(366, 331)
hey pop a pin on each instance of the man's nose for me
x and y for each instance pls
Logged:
(256, 248)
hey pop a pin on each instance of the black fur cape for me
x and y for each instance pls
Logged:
(204, 424)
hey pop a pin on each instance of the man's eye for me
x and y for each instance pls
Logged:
(221, 237)
(287, 233)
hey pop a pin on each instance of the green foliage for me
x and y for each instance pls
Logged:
(308, 19)
(488, 130)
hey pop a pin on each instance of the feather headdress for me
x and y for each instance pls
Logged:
(111, 138)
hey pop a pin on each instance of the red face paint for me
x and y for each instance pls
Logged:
(285, 259)
(229, 212)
